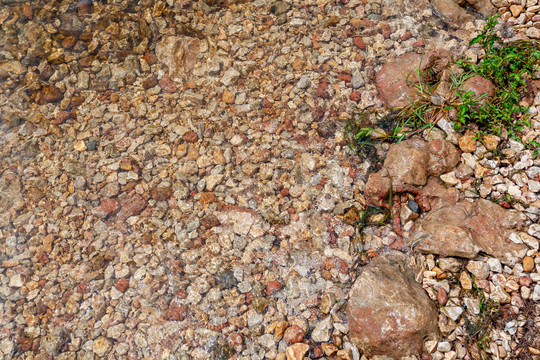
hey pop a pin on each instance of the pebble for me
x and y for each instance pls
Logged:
(297, 351)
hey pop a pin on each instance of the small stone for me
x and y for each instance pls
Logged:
(16, 281)
(230, 76)
(442, 297)
(528, 264)
(322, 330)
(479, 269)
(296, 351)
(465, 280)
(467, 143)
(190, 137)
(453, 312)
(444, 346)
(122, 285)
(304, 82)
(228, 97)
(80, 146)
(329, 349)
(450, 179)
(491, 142)
(273, 287)
(110, 205)
(293, 334)
(359, 42)
(280, 329)
(327, 301)
(516, 10)
(499, 295)
(101, 346)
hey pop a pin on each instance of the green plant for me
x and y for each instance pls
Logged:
(509, 67)
(478, 329)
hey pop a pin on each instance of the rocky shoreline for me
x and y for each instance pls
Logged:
(176, 183)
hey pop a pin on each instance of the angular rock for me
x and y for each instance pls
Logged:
(388, 311)
(408, 166)
(179, 53)
(462, 228)
(395, 81)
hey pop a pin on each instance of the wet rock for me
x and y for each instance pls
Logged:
(395, 81)
(482, 88)
(131, 206)
(392, 80)
(101, 346)
(293, 334)
(388, 311)
(179, 54)
(322, 331)
(408, 166)
(50, 94)
(296, 351)
(455, 11)
(464, 228)
(11, 68)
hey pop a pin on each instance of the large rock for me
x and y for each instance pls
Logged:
(463, 228)
(454, 11)
(396, 80)
(179, 53)
(480, 86)
(388, 311)
(408, 165)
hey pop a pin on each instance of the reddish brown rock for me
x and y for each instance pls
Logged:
(150, 58)
(408, 166)
(463, 228)
(190, 137)
(167, 84)
(50, 94)
(176, 311)
(395, 81)
(131, 206)
(293, 334)
(62, 117)
(110, 205)
(355, 96)
(161, 193)
(179, 54)
(388, 311)
(480, 86)
(359, 42)
(122, 285)
(149, 82)
(273, 287)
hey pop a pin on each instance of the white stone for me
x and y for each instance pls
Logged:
(323, 330)
(453, 312)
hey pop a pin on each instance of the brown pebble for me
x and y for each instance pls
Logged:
(110, 205)
(167, 84)
(273, 287)
(528, 264)
(442, 297)
(190, 137)
(208, 198)
(359, 42)
(293, 334)
(122, 284)
(355, 96)
(228, 97)
(150, 58)
(50, 94)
